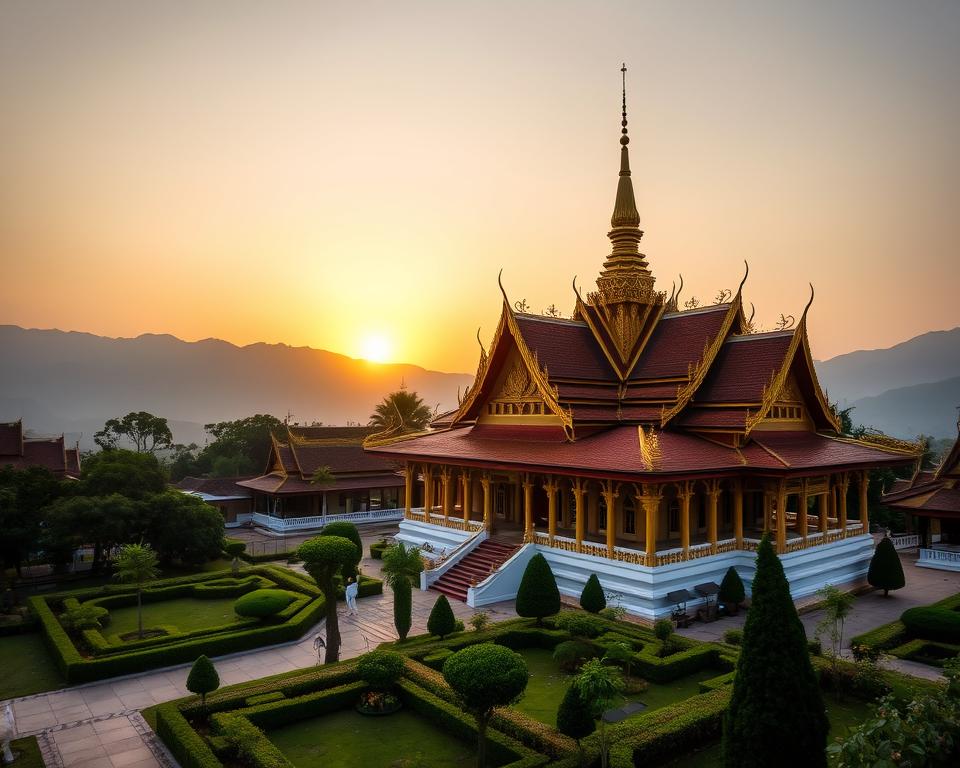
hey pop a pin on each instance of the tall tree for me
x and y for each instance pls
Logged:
(182, 527)
(600, 688)
(247, 441)
(886, 570)
(136, 564)
(401, 567)
(134, 475)
(401, 410)
(776, 714)
(23, 494)
(323, 558)
(146, 432)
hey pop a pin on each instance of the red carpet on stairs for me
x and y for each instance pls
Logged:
(474, 568)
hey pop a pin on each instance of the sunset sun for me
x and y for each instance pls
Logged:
(376, 348)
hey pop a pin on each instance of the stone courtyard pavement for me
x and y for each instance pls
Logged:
(99, 725)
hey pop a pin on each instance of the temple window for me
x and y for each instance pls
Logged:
(629, 517)
(786, 412)
(673, 515)
(601, 514)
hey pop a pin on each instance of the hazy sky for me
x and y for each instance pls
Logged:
(325, 173)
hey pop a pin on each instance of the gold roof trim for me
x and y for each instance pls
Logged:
(649, 442)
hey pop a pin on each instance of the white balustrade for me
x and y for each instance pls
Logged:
(284, 524)
(905, 540)
(941, 559)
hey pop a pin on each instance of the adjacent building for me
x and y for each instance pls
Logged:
(51, 453)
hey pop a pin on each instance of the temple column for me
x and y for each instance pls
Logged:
(446, 483)
(781, 517)
(802, 511)
(738, 512)
(551, 486)
(408, 474)
(610, 499)
(824, 522)
(842, 489)
(467, 481)
(427, 490)
(767, 510)
(579, 487)
(864, 511)
(527, 508)
(713, 498)
(685, 493)
(833, 501)
(487, 502)
(650, 499)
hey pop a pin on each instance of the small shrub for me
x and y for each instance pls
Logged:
(572, 654)
(592, 599)
(83, 617)
(614, 613)
(579, 624)
(663, 630)
(732, 592)
(458, 626)
(203, 679)
(733, 636)
(886, 570)
(863, 652)
(538, 595)
(378, 548)
(234, 547)
(933, 623)
(442, 621)
(575, 717)
(480, 620)
(380, 669)
(262, 603)
(815, 647)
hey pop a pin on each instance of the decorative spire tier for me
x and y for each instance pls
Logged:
(625, 276)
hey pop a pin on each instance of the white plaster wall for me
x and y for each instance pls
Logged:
(443, 540)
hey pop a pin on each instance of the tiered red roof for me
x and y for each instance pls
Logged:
(933, 493)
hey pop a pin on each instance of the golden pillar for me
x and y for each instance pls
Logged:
(610, 499)
(833, 501)
(782, 517)
(527, 508)
(551, 486)
(651, 506)
(738, 512)
(685, 493)
(842, 489)
(864, 511)
(713, 498)
(427, 490)
(409, 472)
(824, 522)
(579, 487)
(802, 511)
(466, 481)
(487, 502)
(446, 481)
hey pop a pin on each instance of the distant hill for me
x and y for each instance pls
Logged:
(72, 382)
(928, 409)
(923, 359)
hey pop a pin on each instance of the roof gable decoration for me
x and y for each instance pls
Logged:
(650, 451)
(275, 459)
(538, 378)
(950, 465)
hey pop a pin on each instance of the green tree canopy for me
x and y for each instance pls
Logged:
(136, 564)
(183, 527)
(538, 595)
(776, 714)
(346, 530)
(203, 678)
(600, 688)
(401, 568)
(575, 717)
(323, 558)
(144, 431)
(485, 676)
(23, 494)
(402, 410)
(131, 474)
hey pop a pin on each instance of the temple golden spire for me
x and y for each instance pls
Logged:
(625, 275)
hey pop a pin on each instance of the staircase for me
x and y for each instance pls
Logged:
(475, 567)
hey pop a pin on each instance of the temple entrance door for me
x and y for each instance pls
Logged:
(500, 502)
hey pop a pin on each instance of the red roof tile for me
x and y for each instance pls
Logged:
(332, 433)
(214, 486)
(11, 439)
(718, 418)
(295, 485)
(566, 347)
(45, 452)
(809, 450)
(678, 341)
(339, 458)
(943, 500)
(743, 367)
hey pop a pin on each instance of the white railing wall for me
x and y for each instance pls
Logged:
(940, 559)
(905, 540)
(286, 524)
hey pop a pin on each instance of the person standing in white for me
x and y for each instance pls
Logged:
(351, 594)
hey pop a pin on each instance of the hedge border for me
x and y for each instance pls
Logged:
(77, 669)
(890, 636)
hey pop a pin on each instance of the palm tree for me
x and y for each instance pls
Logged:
(401, 410)
(136, 563)
(401, 567)
(600, 687)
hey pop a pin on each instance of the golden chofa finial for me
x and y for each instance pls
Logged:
(624, 139)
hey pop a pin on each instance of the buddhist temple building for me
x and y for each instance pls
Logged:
(51, 453)
(233, 501)
(647, 442)
(319, 474)
(931, 501)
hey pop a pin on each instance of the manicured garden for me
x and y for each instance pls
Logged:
(927, 634)
(28, 667)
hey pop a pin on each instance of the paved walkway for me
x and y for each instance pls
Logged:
(870, 610)
(99, 726)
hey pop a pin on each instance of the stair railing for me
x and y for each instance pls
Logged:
(439, 567)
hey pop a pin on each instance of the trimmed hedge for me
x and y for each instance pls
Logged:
(250, 742)
(186, 745)
(263, 603)
(183, 648)
(896, 633)
(932, 623)
(378, 548)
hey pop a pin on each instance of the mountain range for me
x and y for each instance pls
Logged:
(72, 382)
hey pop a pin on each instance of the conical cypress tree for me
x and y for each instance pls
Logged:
(886, 571)
(731, 588)
(538, 595)
(776, 714)
(402, 607)
(592, 598)
(203, 678)
(575, 717)
(442, 622)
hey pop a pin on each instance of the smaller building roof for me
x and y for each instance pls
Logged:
(219, 487)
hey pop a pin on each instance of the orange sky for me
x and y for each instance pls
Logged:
(319, 173)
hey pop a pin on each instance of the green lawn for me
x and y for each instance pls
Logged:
(347, 739)
(186, 614)
(548, 684)
(27, 666)
(843, 715)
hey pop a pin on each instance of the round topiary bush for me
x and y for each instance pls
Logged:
(572, 654)
(262, 603)
(347, 531)
(579, 624)
(380, 669)
(932, 623)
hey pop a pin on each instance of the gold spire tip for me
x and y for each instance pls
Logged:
(624, 139)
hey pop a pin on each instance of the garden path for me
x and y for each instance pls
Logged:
(99, 725)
